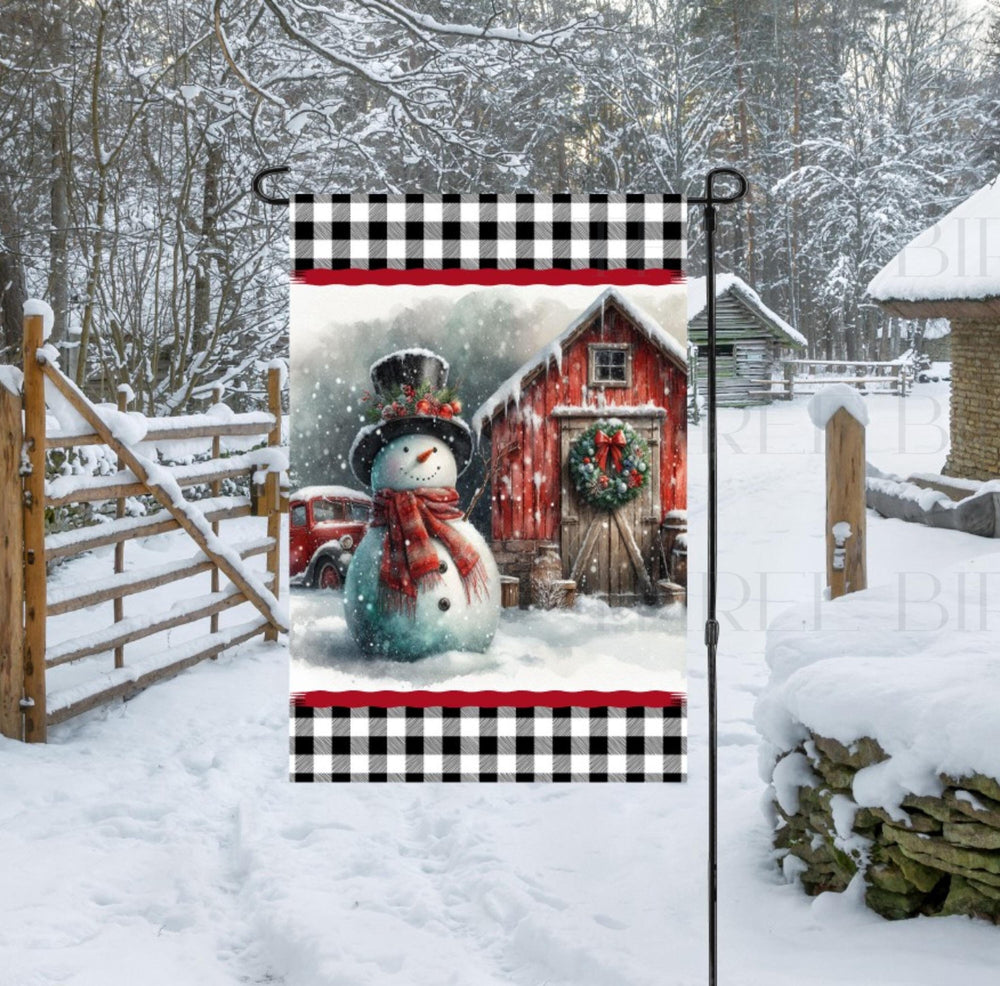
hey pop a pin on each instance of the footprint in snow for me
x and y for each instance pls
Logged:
(608, 922)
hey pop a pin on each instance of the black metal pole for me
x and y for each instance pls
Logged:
(711, 620)
(710, 201)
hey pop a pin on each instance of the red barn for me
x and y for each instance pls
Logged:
(614, 364)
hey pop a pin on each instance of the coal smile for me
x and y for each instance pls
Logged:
(423, 479)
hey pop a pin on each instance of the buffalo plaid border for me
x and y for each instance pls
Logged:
(488, 737)
(598, 744)
(487, 232)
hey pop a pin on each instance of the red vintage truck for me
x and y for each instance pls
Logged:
(325, 525)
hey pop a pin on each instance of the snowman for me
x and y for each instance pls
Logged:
(423, 579)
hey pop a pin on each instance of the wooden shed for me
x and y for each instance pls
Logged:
(952, 271)
(614, 364)
(750, 339)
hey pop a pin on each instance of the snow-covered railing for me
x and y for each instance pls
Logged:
(804, 376)
(215, 422)
(56, 414)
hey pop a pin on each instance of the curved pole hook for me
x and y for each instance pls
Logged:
(710, 197)
(258, 184)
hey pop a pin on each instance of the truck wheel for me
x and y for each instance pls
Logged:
(327, 576)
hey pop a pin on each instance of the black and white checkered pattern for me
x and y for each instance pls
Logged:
(369, 238)
(488, 232)
(488, 744)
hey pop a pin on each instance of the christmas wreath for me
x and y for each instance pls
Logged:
(609, 464)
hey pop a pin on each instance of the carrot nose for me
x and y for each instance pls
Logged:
(424, 456)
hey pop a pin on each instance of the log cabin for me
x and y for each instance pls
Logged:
(750, 340)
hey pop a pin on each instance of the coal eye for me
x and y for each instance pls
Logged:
(406, 448)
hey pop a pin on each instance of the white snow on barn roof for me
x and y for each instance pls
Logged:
(955, 259)
(510, 389)
(698, 301)
(308, 492)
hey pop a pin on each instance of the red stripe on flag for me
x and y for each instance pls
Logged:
(487, 700)
(619, 277)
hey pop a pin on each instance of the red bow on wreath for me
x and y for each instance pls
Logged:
(614, 445)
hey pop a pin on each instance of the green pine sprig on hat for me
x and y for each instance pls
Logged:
(409, 401)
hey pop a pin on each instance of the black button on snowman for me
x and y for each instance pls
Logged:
(423, 579)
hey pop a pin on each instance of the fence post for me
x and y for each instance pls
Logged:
(35, 724)
(11, 566)
(272, 493)
(119, 603)
(789, 381)
(213, 621)
(846, 566)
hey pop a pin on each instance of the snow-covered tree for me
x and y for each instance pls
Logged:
(129, 132)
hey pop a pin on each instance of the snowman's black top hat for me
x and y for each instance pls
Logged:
(409, 368)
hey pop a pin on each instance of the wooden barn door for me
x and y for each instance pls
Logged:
(610, 553)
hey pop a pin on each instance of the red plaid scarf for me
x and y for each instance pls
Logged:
(411, 518)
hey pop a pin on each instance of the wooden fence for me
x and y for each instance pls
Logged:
(26, 599)
(806, 376)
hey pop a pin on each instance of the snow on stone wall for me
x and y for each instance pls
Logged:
(933, 854)
(880, 724)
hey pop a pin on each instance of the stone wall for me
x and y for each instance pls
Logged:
(975, 399)
(941, 857)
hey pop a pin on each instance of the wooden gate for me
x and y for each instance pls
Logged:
(610, 553)
(27, 707)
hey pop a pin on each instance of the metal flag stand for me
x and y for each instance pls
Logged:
(710, 201)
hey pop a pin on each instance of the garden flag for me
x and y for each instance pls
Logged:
(488, 535)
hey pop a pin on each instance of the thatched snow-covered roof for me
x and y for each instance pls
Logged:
(952, 268)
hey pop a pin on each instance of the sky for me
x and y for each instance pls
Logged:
(316, 310)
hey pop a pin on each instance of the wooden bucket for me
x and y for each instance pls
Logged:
(510, 591)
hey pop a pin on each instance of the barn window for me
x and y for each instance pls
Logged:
(610, 365)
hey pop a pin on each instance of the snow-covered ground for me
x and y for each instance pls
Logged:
(159, 842)
(590, 647)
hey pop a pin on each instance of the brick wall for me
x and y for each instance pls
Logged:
(975, 399)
